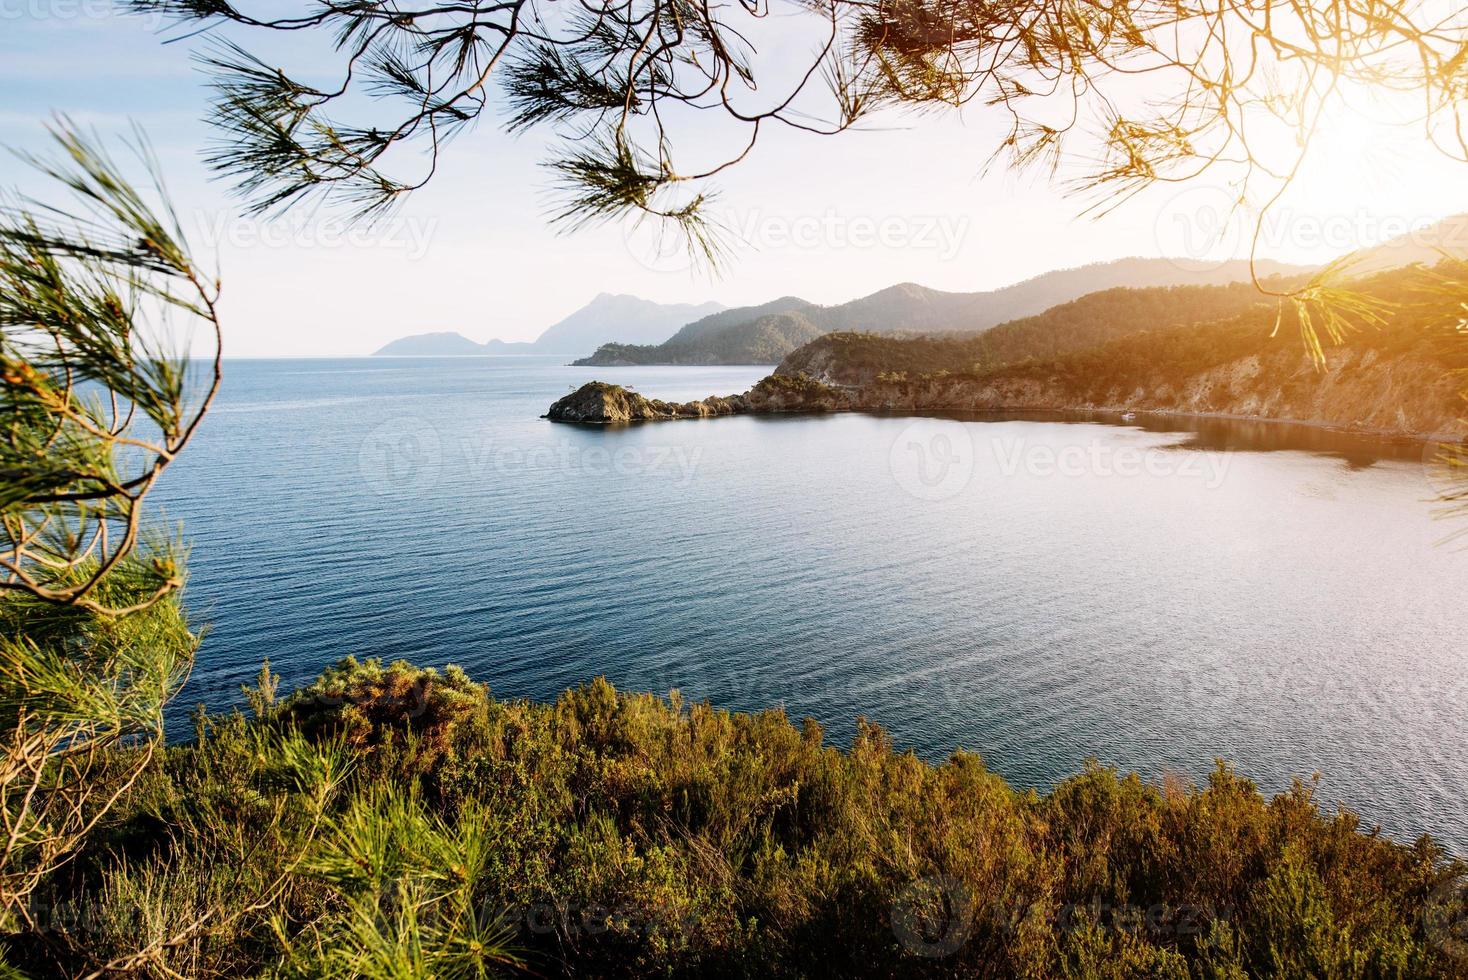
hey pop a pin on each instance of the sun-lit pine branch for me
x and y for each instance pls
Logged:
(1059, 70)
(96, 405)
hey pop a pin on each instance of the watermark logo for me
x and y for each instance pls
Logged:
(676, 463)
(662, 248)
(407, 455)
(933, 459)
(936, 460)
(1203, 228)
(36, 11)
(933, 917)
(410, 236)
(401, 455)
(1205, 225)
(1445, 918)
(1100, 458)
(1445, 463)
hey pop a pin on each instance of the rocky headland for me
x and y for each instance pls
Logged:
(1361, 390)
(1204, 351)
(601, 403)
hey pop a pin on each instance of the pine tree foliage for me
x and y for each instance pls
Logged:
(1129, 94)
(95, 406)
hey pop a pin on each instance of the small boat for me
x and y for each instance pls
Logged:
(1128, 416)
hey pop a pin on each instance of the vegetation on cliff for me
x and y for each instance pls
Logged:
(766, 334)
(392, 821)
(1200, 349)
(1192, 349)
(857, 358)
(1400, 370)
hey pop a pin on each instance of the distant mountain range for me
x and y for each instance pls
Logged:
(1426, 246)
(608, 317)
(852, 358)
(626, 330)
(434, 345)
(766, 334)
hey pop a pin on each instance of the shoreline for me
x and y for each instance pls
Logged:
(733, 405)
(1345, 429)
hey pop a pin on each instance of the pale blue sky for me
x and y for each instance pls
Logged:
(829, 219)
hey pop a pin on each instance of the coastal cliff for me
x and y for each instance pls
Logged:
(1363, 389)
(1205, 351)
(1355, 389)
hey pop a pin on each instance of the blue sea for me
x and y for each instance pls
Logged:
(1156, 594)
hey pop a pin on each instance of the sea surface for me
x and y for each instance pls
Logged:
(1156, 594)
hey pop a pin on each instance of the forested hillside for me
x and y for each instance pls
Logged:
(765, 340)
(1383, 353)
(1397, 369)
(854, 359)
(747, 335)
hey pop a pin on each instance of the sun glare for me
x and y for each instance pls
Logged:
(1368, 165)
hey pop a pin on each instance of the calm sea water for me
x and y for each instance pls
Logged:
(1038, 591)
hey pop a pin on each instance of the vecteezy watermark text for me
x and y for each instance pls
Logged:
(938, 459)
(411, 236)
(1016, 456)
(73, 10)
(940, 235)
(1209, 227)
(679, 462)
(407, 455)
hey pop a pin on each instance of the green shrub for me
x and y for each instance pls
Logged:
(416, 713)
(612, 834)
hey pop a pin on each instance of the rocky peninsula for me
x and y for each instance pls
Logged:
(1399, 376)
(601, 403)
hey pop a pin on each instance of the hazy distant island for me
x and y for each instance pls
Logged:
(1217, 349)
(628, 330)
(608, 317)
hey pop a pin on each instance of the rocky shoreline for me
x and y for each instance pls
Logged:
(603, 403)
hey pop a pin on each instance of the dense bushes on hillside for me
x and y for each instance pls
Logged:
(1094, 319)
(1426, 330)
(1122, 328)
(390, 821)
(1397, 367)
